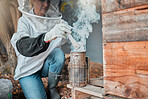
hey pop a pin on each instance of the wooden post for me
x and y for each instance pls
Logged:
(79, 95)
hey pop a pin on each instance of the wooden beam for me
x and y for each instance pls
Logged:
(89, 89)
(97, 82)
(116, 5)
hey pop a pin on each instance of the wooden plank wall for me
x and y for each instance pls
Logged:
(116, 5)
(126, 69)
(125, 48)
(126, 25)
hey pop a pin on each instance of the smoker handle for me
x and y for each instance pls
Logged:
(88, 65)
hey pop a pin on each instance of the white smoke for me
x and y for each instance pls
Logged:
(86, 14)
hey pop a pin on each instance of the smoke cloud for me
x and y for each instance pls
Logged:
(86, 14)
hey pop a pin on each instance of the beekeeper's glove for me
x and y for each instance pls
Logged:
(60, 30)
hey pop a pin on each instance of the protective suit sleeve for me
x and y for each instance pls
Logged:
(31, 46)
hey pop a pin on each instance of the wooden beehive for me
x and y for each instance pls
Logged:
(125, 45)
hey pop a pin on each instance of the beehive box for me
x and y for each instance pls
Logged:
(125, 46)
(126, 69)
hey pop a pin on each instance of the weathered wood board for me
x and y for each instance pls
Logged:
(126, 69)
(83, 92)
(116, 5)
(126, 25)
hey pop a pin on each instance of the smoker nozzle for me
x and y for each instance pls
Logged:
(74, 43)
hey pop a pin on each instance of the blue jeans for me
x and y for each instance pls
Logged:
(32, 85)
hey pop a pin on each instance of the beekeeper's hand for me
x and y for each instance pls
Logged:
(60, 30)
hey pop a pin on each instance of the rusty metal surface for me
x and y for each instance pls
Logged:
(126, 25)
(116, 5)
(78, 69)
(77, 58)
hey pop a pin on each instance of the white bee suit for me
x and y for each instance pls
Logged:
(26, 27)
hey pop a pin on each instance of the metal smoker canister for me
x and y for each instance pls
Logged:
(78, 69)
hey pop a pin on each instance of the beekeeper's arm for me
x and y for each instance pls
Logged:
(25, 45)
(33, 46)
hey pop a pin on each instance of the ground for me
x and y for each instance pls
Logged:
(95, 72)
(62, 85)
(18, 93)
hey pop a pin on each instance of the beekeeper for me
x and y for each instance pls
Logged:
(40, 33)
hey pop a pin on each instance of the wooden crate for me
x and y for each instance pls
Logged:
(116, 5)
(126, 25)
(126, 69)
